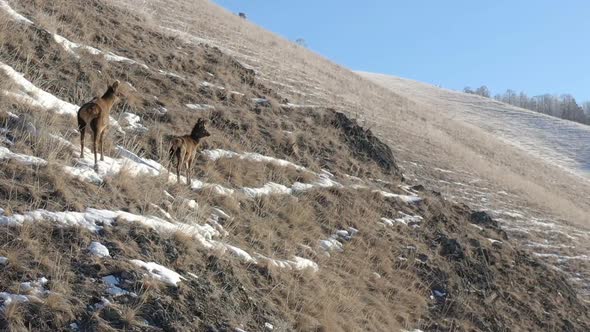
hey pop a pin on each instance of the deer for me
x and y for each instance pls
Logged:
(184, 148)
(96, 114)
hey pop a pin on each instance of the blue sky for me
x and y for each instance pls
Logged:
(536, 46)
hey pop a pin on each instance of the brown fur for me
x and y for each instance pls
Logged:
(184, 148)
(95, 114)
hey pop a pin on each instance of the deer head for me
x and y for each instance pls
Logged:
(199, 130)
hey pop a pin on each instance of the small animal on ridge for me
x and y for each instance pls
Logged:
(184, 148)
(95, 114)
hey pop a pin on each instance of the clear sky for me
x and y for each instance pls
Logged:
(536, 46)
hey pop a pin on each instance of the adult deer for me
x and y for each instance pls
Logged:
(184, 148)
(96, 114)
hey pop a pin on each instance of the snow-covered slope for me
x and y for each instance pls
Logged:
(560, 142)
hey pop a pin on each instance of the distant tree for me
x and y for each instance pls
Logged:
(483, 91)
(242, 15)
(586, 107)
(301, 42)
(510, 97)
(467, 89)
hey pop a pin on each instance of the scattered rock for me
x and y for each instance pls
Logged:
(450, 248)
(482, 218)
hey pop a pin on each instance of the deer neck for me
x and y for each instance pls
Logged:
(108, 99)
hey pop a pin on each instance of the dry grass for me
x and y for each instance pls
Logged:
(367, 287)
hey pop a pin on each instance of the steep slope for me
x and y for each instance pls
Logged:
(543, 206)
(298, 219)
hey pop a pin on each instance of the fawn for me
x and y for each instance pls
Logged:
(184, 148)
(96, 114)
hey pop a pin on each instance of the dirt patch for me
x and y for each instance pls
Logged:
(362, 142)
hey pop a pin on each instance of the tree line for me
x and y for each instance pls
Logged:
(562, 106)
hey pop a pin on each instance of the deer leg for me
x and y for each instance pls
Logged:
(190, 166)
(188, 170)
(82, 128)
(82, 134)
(102, 145)
(178, 163)
(94, 141)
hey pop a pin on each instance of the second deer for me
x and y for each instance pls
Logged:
(184, 148)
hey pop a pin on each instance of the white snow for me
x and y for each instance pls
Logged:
(21, 158)
(200, 107)
(3, 260)
(296, 263)
(563, 257)
(13, 14)
(9, 298)
(493, 241)
(405, 198)
(217, 154)
(89, 219)
(72, 48)
(159, 272)
(405, 219)
(167, 73)
(270, 188)
(269, 326)
(35, 288)
(30, 93)
(220, 213)
(331, 244)
(98, 249)
(131, 163)
(131, 122)
(387, 221)
(102, 304)
(206, 84)
(290, 105)
(94, 220)
(239, 253)
(113, 288)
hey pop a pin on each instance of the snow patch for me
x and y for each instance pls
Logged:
(72, 48)
(94, 220)
(35, 288)
(206, 84)
(217, 154)
(270, 188)
(160, 272)
(405, 198)
(13, 14)
(98, 249)
(131, 122)
(113, 288)
(21, 158)
(200, 107)
(239, 253)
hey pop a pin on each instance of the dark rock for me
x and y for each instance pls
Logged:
(418, 187)
(482, 218)
(450, 248)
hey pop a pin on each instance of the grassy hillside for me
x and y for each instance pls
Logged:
(300, 217)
